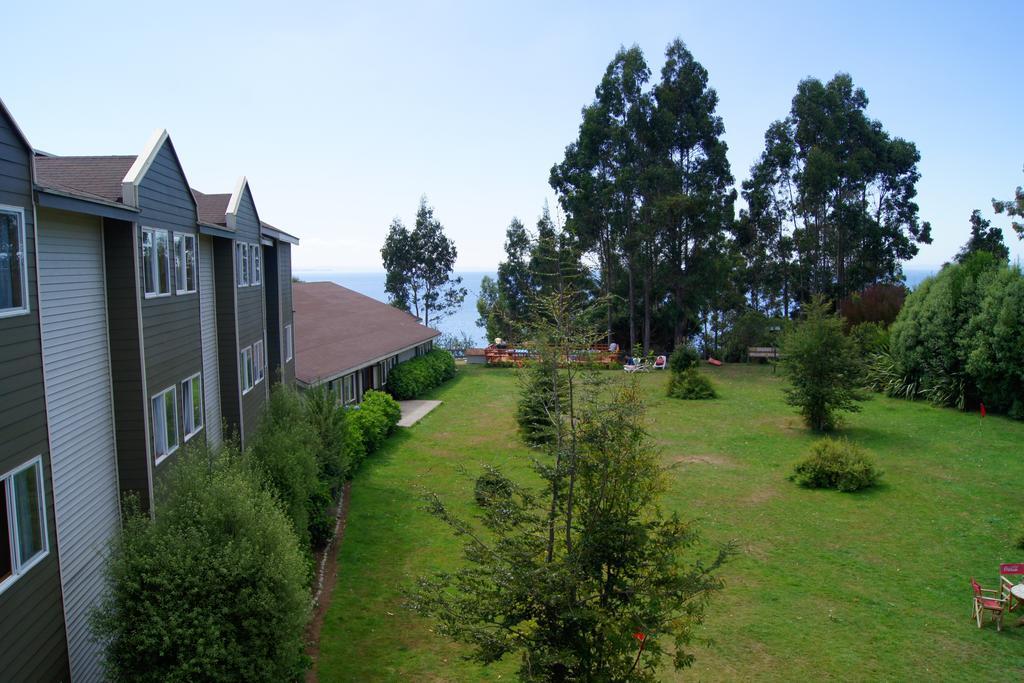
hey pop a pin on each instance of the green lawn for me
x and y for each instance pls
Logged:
(862, 586)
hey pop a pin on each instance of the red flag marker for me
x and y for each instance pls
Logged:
(640, 636)
(983, 410)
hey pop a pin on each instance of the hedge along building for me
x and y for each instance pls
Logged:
(105, 353)
(349, 342)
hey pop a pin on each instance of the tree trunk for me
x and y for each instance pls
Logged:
(631, 304)
(647, 310)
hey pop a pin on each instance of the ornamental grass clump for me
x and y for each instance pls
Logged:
(836, 464)
(214, 587)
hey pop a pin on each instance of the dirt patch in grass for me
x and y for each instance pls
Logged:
(327, 566)
(761, 496)
(704, 459)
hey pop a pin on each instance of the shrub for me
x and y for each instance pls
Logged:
(869, 338)
(376, 417)
(537, 405)
(836, 464)
(284, 450)
(683, 358)
(691, 385)
(823, 367)
(995, 359)
(416, 376)
(213, 588)
(336, 459)
(930, 341)
(492, 487)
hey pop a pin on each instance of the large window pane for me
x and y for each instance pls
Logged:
(159, 427)
(190, 263)
(147, 261)
(12, 258)
(163, 275)
(28, 505)
(171, 412)
(197, 403)
(6, 551)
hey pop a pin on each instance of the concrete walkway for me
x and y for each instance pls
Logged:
(414, 411)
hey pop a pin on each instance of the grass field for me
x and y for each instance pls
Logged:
(865, 586)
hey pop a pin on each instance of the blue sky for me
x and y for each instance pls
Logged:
(343, 114)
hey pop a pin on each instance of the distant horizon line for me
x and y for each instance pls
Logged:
(494, 270)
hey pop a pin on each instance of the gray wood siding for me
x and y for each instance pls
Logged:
(126, 362)
(250, 317)
(80, 414)
(272, 297)
(284, 259)
(31, 612)
(211, 374)
(171, 329)
(227, 335)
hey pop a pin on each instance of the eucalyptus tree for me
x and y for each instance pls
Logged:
(599, 179)
(419, 265)
(841, 188)
(690, 189)
(1013, 207)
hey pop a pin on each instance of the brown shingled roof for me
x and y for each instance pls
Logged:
(338, 330)
(100, 176)
(212, 207)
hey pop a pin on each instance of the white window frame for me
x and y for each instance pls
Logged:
(155, 267)
(288, 343)
(181, 263)
(242, 264)
(255, 265)
(345, 387)
(158, 434)
(22, 257)
(259, 362)
(247, 375)
(18, 566)
(188, 409)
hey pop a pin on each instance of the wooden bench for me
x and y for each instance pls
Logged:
(763, 352)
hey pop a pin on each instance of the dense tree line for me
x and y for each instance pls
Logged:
(650, 220)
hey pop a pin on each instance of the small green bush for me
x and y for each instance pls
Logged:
(836, 464)
(682, 359)
(284, 451)
(376, 417)
(869, 338)
(416, 376)
(213, 588)
(492, 487)
(691, 385)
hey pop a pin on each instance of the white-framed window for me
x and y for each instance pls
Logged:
(348, 389)
(259, 362)
(242, 263)
(288, 341)
(13, 262)
(255, 264)
(156, 262)
(23, 537)
(184, 263)
(192, 405)
(247, 370)
(165, 423)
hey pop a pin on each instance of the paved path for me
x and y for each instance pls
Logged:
(414, 411)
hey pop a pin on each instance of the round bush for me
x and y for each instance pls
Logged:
(836, 464)
(376, 417)
(691, 385)
(213, 588)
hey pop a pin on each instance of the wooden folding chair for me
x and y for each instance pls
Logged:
(985, 602)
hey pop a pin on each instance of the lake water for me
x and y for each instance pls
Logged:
(464, 320)
(372, 285)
